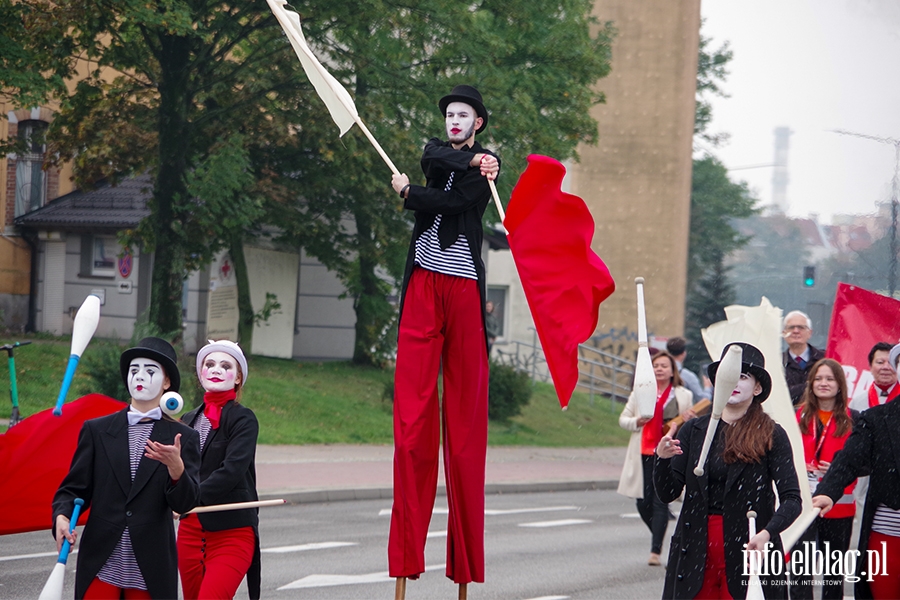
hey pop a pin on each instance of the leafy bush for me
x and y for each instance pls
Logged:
(508, 392)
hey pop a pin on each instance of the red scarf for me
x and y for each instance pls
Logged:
(213, 403)
(875, 394)
(653, 429)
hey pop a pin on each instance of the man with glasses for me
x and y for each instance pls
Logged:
(800, 356)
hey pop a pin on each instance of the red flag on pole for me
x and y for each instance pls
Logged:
(859, 320)
(35, 456)
(564, 281)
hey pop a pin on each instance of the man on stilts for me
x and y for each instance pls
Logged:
(442, 329)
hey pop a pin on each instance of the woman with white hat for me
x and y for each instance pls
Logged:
(216, 550)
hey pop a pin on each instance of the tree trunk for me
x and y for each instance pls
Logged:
(170, 190)
(367, 294)
(245, 306)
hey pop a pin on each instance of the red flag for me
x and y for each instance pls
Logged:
(35, 456)
(550, 236)
(859, 320)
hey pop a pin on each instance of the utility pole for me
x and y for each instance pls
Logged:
(895, 183)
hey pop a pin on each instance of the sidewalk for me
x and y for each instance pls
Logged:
(303, 474)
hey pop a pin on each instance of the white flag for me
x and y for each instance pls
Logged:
(761, 326)
(333, 94)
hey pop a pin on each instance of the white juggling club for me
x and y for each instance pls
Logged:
(754, 587)
(644, 380)
(727, 377)
(86, 320)
(53, 589)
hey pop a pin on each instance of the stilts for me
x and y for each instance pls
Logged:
(400, 589)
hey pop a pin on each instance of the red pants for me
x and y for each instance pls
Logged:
(213, 563)
(714, 584)
(887, 586)
(100, 590)
(441, 327)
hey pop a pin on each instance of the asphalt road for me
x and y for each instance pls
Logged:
(579, 545)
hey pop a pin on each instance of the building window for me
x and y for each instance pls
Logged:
(103, 257)
(498, 295)
(31, 180)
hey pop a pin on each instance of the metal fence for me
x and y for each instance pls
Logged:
(600, 372)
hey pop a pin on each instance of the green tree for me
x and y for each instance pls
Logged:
(715, 202)
(165, 85)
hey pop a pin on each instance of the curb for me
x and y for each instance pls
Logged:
(387, 493)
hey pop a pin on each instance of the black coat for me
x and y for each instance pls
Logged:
(100, 474)
(461, 208)
(795, 376)
(228, 474)
(748, 487)
(873, 448)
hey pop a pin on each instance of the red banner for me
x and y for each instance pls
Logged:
(35, 456)
(550, 235)
(860, 319)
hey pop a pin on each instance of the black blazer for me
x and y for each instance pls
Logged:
(461, 209)
(100, 474)
(748, 487)
(228, 467)
(795, 376)
(873, 447)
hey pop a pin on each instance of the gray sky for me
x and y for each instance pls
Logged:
(813, 66)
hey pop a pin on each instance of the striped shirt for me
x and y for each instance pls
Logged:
(886, 521)
(203, 426)
(121, 568)
(455, 260)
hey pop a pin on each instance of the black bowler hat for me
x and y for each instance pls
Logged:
(753, 362)
(469, 95)
(156, 349)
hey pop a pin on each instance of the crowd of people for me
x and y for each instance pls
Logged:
(850, 460)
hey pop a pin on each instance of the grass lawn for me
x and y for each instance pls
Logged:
(323, 403)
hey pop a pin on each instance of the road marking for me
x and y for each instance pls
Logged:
(303, 547)
(313, 581)
(384, 512)
(37, 555)
(549, 598)
(631, 515)
(432, 534)
(519, 511)
(558, 523)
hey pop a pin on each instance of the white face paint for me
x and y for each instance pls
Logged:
(460, 120)
(746, 389)
(219, 372)
(147, 379)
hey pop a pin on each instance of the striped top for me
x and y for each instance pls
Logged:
(121, 568)
(886, 521)
(203, 426)
(455, 260)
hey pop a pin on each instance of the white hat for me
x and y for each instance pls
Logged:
(228, 347)
(895, 352)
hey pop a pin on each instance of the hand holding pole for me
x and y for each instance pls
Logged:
(53, 589)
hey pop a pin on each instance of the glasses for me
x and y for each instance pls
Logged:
(796, 328)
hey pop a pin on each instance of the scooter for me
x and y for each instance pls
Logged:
(14, 418)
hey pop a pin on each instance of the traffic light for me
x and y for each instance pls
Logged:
(809, 276)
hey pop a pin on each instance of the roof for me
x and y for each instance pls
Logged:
(106, 207)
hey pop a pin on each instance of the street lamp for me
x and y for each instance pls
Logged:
(892, 272)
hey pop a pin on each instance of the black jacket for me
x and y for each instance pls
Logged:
(748, 487)
(873, 447)
(228, 474)
(795, 376)
(100, 474)
(461, 208)
(228, 467)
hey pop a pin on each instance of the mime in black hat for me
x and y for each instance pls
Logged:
(442, 328)
(133, 469)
